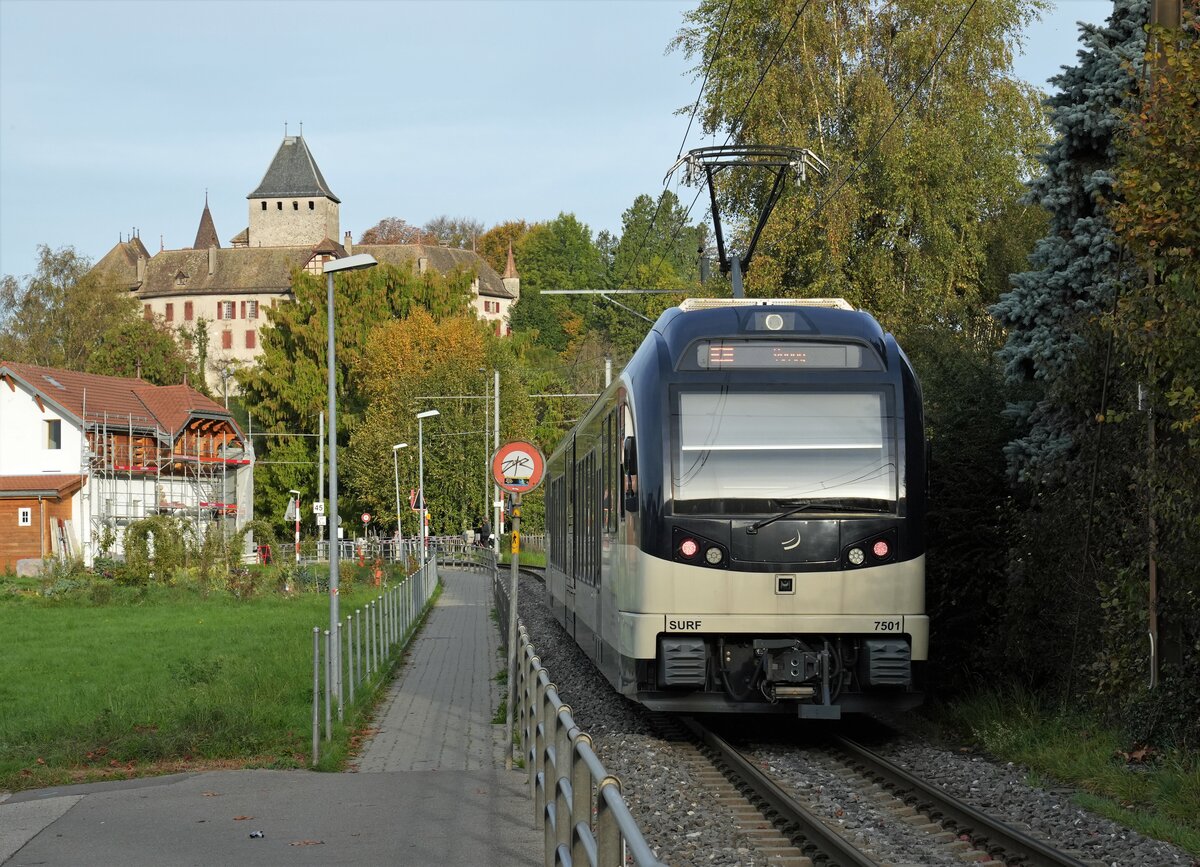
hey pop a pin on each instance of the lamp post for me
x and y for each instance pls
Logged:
(399, 527)
(487, 441)
(421, 416)
(349, 263)
(296, 503)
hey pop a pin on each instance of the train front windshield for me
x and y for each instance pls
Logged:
(745, 452)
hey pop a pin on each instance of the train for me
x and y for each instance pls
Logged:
(736, 525)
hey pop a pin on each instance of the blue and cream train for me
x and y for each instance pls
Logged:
(737, 523)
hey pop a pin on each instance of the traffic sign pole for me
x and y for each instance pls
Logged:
(512, 628)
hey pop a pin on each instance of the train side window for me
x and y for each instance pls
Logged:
(629, 459)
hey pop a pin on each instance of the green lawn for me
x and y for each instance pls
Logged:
(173, 680)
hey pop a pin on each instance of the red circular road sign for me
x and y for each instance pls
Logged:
(518, 467)
(366, 517)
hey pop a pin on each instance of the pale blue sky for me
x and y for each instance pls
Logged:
(116, 115)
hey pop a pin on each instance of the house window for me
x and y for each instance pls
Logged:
(54, 433)
(225, 310)
(147, 313)
(250, 339)
(187, 311)
(227, 340)
(243, 309)
(251, 309)
(25, 517)
(169, 313)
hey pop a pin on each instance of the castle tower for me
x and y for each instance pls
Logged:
(206, 234)
(293, 206)
(512, 280)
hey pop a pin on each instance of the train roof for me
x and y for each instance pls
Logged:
(691, 304)
(831, 318)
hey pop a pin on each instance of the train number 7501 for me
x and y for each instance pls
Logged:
(887, 625)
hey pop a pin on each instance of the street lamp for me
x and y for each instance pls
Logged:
(296, 503)
(349, 263)
(399, 527)
(421, 416)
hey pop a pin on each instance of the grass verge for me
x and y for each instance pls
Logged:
(1155, 791)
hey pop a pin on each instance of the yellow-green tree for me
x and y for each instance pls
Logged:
(424, 363)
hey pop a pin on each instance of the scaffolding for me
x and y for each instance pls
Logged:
(137, 469)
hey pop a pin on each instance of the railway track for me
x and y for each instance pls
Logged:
(1000, 840)
(787, 832)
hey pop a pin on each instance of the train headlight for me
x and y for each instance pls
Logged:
(856, 556)
(714, 555)
(881, 549)
(689, 548)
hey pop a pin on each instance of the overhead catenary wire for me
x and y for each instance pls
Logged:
(816, 212)
(695, 107)
(741, 116)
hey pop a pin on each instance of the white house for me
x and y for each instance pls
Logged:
(83, 455)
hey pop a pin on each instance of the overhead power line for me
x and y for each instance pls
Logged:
(875, 144)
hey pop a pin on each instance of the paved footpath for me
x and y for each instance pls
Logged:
(432, 788)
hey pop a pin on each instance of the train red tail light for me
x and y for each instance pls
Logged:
(689, 548)
(881, 549)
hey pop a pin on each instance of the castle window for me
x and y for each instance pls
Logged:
(169, 313)
(295, 206)
(279, 206)
(264, 206)
(250, 339)
(311, 206)
(187, 311)
(227, 340)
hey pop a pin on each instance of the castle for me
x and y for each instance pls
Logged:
(293, 223)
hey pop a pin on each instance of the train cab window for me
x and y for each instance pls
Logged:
(749, 451)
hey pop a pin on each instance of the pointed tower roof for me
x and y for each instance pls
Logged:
(293, 172)
(206, 235)
(510, 269)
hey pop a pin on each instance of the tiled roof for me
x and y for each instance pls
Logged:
(45, 484)
(144, 406)
(293, 172)
(237, 270)
(510, 267)
(206, 234)
(442, 259)
(242, 237)
(119, 265)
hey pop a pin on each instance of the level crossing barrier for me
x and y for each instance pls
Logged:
(579, 805)
(359, 650)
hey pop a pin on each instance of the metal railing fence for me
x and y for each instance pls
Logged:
(370, 550)
(579, 805)
(362, 646)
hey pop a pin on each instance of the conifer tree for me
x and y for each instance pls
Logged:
(1050, 311)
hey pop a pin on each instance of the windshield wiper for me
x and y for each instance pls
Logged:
(800, 507)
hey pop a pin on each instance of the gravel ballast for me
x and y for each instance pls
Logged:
(687, 825)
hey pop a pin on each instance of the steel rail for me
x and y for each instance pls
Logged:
(986, 833)
(837, 849)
